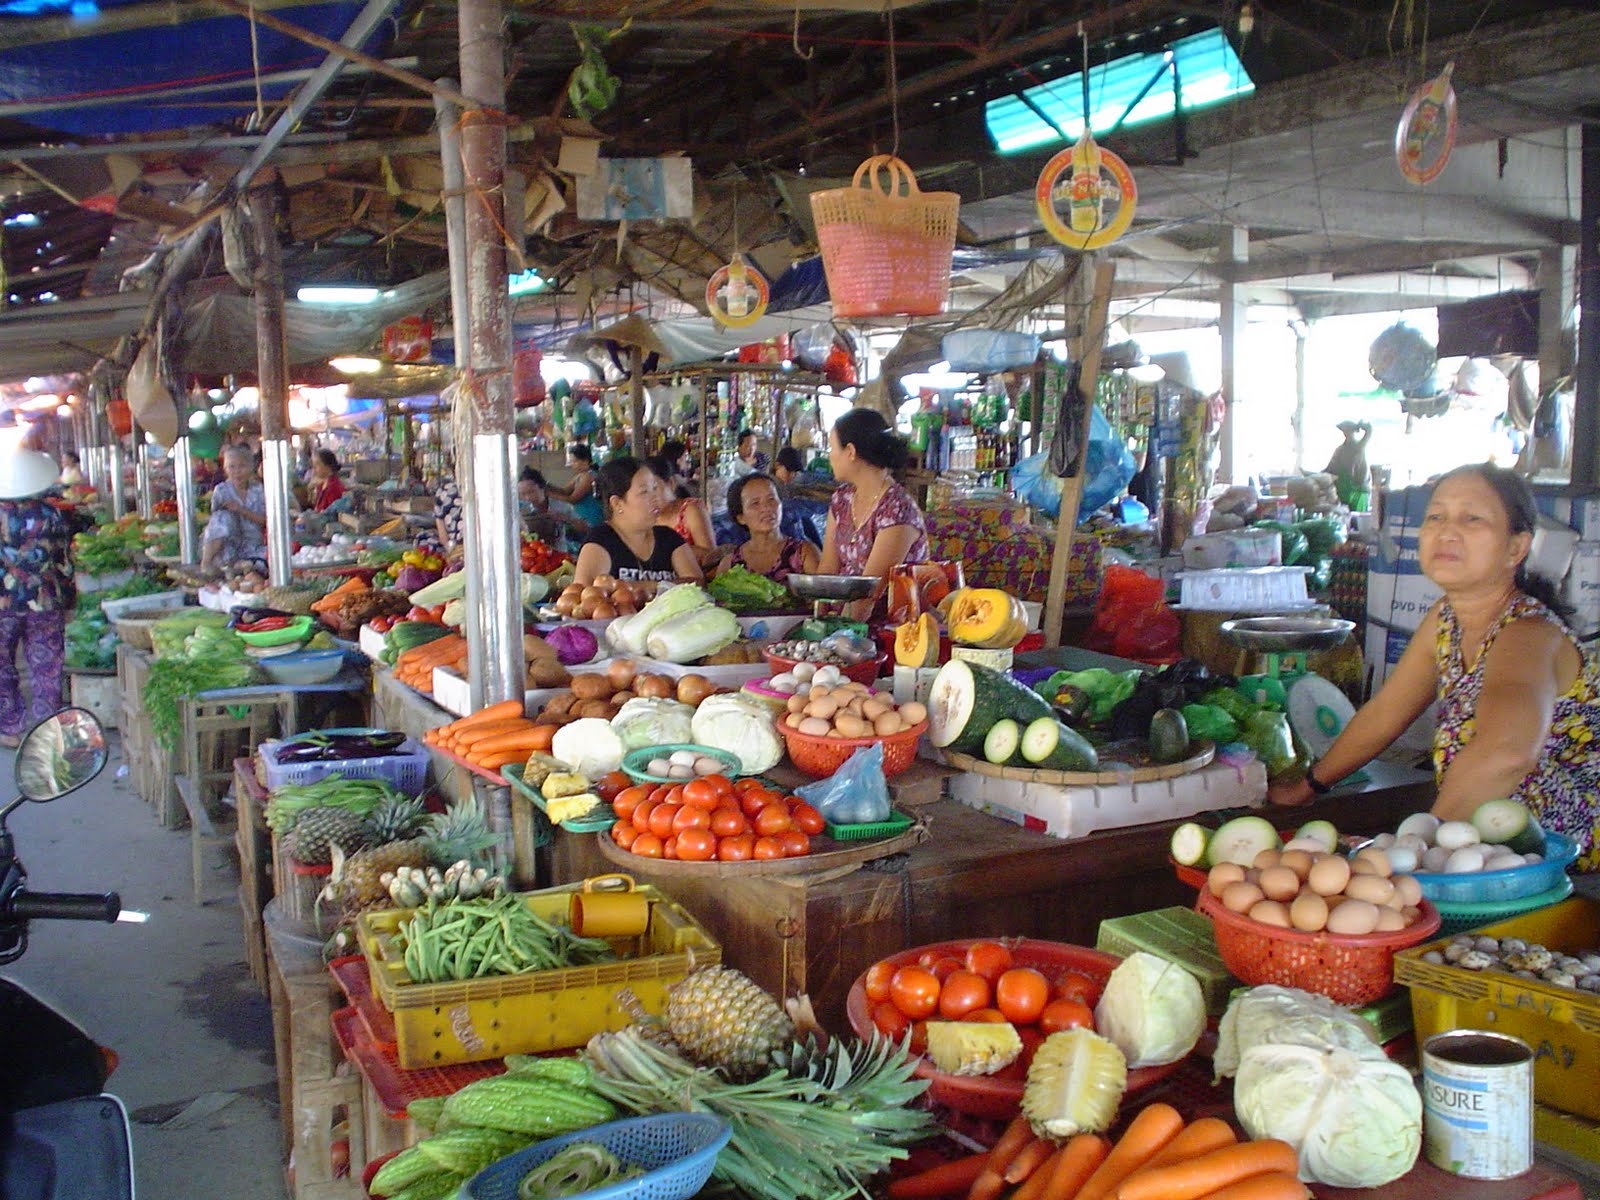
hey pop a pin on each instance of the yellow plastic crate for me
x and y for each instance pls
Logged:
(440, 1023)
(1561, 1024)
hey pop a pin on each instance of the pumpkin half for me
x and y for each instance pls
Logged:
(916, 643)
(987, 617)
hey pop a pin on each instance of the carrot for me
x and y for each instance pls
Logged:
(1196, 1177)
(1146, 1135)
(1080, 1158)
(947, 1179)
(513, 739)
(1028, 1159)
(546, 736)
(991, 1180)
(492, 730)
(491, 712)
(501, 758)
(1274, 1185)
(1196, 1138)
(1033, 1187)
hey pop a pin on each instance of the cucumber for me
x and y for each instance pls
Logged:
(966, 700)
(1510, 824)
(1001, 742)
(1322, 832)
(1240, 840)
(1189, 843)
(1048, 745)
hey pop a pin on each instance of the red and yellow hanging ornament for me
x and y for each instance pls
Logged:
(737, 294)
(1086, 195)
(1427, 130)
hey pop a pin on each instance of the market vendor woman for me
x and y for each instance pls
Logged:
(629, 544)
(873, 523)
(1519, 702)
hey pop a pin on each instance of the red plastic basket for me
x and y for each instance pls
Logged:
(1348, 968)
(820, 757)
(865, 673)
(990, 1096)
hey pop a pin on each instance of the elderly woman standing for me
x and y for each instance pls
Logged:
(37, 593)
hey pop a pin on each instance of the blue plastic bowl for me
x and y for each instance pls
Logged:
(1514, 883)
(1458, 918)
(676, 1150)
(304, 667)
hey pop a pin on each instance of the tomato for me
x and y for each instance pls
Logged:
(647, 845)
(726, 822)
(623, 834)
(720, 782)
(674, 794)
(989, 959)
(625, 801)
(927, 958)
(1065, 1014)
(701, 793)
(919, 1037)
(807, 819)
(877, 981)
(772, 820)
(986, 1016)
(945, 967)
(794, 844)
(641, 815)
(660, 792)
(1075, 986)
(915, 992)
(661, 817)
(766, 849)
(749, 784)
(963, 992)
(752, 802)
(890, 1021)
(738, 848)
(696, 845)
(690, 817)
(612, 785)
(1021, 993)
(669, 848)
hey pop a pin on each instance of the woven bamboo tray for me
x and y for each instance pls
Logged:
(1120, 763)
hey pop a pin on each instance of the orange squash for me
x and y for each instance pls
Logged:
(988, 618)
(904, 599)
(916, 643)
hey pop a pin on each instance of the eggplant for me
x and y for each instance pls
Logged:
(326, 747)
(245, 615)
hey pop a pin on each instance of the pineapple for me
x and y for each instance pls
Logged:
(1075, 1083)
(318, 830)
(460, 833)
(393, 828)
(721, 1019)
(971, 1048)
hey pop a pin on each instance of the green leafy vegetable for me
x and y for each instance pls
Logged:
(741, 589)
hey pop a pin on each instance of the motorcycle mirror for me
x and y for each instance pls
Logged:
(60, 754)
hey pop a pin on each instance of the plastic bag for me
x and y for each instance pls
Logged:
(1035, 484)
(1267, 733)
(1295, 545)
(1211, 723)
(1132, 619)
(1107, 468)
(855, 794)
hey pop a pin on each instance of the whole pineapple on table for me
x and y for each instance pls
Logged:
(403, 836)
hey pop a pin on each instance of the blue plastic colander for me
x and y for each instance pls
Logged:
(676, 1150)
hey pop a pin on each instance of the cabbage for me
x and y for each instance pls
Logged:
(1152, 1009)
(627, 634)
(573, 644)
(589, 746)
(646, 721)
(742, 727)
(1354, 1121)
(1271, 1015)
(693, 635)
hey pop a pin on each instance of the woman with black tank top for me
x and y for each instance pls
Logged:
(630, 545)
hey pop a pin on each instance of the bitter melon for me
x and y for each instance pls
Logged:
(522, 1104)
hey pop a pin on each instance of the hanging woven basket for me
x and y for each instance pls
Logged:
(886, 244)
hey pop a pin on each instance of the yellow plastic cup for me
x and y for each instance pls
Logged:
(609, 906)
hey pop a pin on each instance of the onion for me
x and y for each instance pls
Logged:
(694, 688)
(621, 672)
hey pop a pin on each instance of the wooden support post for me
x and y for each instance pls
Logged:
(1089, 343)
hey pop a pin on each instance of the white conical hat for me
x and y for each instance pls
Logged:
(25, 473)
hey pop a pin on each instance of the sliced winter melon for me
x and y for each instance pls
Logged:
(967, 699)
(1240, 840)
(1000, 744)
(1509, 823)
(1049, 745)
(916, 643)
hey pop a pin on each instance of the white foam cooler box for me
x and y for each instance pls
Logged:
(1069, 812)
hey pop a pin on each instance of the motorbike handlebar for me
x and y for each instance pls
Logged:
(64, 906)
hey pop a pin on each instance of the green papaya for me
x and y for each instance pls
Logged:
(1169, 736)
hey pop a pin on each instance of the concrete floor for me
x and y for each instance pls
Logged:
(172, 997)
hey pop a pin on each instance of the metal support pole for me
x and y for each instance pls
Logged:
(272, 368)
(141, 474)
(119, 502)
(636, 402)
(494, 575)
(1586, 410)
(183, 477)
(1235, 251)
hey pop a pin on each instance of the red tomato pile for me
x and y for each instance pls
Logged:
(984, 985)
(710, 818)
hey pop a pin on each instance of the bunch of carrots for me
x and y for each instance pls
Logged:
(415, 667)
(493, 737)
(1157, 1158)
(331, 601)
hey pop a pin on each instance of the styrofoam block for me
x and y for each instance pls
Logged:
(1069, 812)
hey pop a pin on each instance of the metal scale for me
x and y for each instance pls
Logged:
(1317, 710)
(825, 589)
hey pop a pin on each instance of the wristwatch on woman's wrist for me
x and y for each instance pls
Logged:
(1317, 787)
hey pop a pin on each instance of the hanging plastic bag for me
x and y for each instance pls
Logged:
(1107, 468)
(855, 794)
(1035, 484)
(1132, 619)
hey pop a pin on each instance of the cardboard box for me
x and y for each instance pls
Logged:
(1582, 589)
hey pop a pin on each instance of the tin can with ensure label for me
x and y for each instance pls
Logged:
(1477, 1104)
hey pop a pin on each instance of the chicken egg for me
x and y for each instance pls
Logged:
(1270, 912)
(1267, 858)
(1375, 856)
(1375, 889)
(913, 713)
(1408, 890)
(1222, 875)
(1390, 920)
(1328, 877)
(1238, 897)
(1298, 861)
(1280, 883)
(1354, 917)
(1309, 912)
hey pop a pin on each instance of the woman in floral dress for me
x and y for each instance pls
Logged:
(1519, 700)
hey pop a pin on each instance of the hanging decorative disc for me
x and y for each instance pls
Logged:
(737, 294)
(1086, 196)
(1427, 130)
(1402, 359)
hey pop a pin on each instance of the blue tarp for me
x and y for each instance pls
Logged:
(129, 71)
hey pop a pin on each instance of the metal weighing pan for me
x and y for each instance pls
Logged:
(1276, 634)
(833, 587)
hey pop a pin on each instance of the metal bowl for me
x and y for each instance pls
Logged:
(1287, 633)
(833, 587)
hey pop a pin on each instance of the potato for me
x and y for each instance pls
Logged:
(594, 708)
(547, 673)
(560, 703)
(591, 687)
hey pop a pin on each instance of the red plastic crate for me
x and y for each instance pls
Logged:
(355, 981)
(397, 1088)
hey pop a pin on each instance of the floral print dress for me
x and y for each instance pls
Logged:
(894, 507)
(1564, 790)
